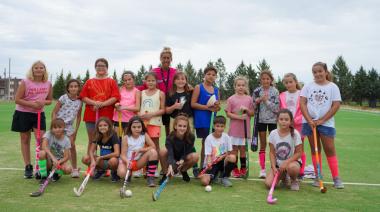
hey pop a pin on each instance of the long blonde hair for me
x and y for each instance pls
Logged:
(242, 78)
(166, 50)
(30, 75)
(294, 78)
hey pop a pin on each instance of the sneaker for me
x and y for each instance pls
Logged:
(236, 173)
(263, 174)
(157, 174)
(295, 186)
(56, 177)
(195, 172)
(137, 174)
(108, 173)
(114, 177)
(37, 175)
(150, 182)
(243, 172)
(28, 173)
(185, 176)
(42, 180)
(338, 184)
(162, 179)
(285, 182)
(300, 177)
(315, 182)
(75, 173)
(98, 174)
(226, 182)
(217, 180)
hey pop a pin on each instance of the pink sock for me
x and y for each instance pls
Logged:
(262, 159)
(303, 160)
(314, 160)
(333, 164)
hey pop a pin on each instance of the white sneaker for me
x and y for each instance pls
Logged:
(75, 173)
(157, 174)
(137, 174)
(263, 174)
(295, 186)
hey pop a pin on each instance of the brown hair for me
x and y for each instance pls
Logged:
(269, 73)
(294, 78)
(58, 122)
(71, 81)
(220, 120)
(30, 74)
(101, 60)
(174, 87)
(329, 76)
(126, 73)
(166, 50)
(210, 68)
(188, 134)
(150, 74)
(98, 135)
(287, 111)
(135, 119)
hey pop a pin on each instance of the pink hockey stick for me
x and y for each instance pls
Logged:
(38, 142)
(270, 198)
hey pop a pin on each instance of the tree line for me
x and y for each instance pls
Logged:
(359, 87)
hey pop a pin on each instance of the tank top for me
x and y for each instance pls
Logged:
(151, 104)
(135, 144)
(128, 98)
(202, 118)
(34, 91)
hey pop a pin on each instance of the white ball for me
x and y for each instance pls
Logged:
(208, 188)
(128, 193)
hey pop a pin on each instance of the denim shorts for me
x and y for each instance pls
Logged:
(323, 130)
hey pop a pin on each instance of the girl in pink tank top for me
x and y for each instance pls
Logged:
(32, 95)
(129, 103)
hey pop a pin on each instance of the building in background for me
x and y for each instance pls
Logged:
(12, 86)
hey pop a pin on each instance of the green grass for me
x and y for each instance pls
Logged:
(357, 146)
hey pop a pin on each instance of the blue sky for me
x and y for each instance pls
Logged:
(290, 35)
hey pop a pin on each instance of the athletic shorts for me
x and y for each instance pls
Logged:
(90, 125)
(165, 119)
(323, 130)
(299, 163)
(123, 124)
(237, 141)
(202, 132)
(154, 131)
(69, 129)
(25, 121)
(215, 170)
(262, 127)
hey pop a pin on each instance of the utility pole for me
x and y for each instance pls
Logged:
(9, 79)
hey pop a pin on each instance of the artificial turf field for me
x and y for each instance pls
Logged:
(358, 149)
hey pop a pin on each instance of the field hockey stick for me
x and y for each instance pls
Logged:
(270, 198)
(157, 193)
(129, 167)
(255, 131)
(120, 130)
(211, 122)
(246, 149)
(44, 185)
(209, 166)
(78, 192)
(38, 144)
(321, 187)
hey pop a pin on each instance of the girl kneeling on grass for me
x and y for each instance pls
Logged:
(285, 151)
(108, 142)
(137, 141)
(55, 151)
(178, 156)
(218, 144)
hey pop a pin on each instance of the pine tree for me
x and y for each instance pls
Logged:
(222, 77)
(252, 76)
(78, 78)
(263, 65)
(114, 76)
(86, 77)
(59, 86)
(343, 78)
(199, 78)
(68, 77)
(241, 70)
(279, 85)
(179, 67)
(373, 88)
(140, 75)
(190, 73)
(360, 85)
(230, 90)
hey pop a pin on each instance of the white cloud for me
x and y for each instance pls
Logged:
(290, 35)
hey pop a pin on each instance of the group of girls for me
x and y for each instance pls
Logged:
(125, 124)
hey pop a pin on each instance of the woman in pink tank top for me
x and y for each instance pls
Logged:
(129, 103)
(32, 95)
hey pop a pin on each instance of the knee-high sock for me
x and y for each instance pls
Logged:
(196, 164)
(228, 168)
(262, 159)
(314, 160)
(333, 164)
(151, 168)
(303, 160)
(243, 162)
(42, 165)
